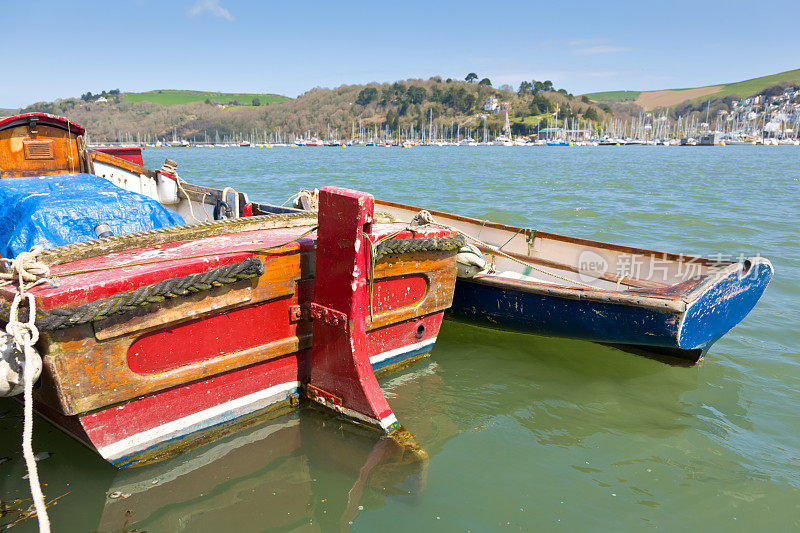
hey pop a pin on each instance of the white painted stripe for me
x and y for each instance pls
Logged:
(403, 349)
(201, 419)
(196, 421)
(384, 423)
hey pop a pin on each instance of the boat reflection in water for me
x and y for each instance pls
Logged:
(297, 470)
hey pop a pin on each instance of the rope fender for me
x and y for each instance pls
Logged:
(124, 302)
(424, 244)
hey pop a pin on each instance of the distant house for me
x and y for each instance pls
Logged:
(101, 100)
(490, 105)
(219, 104)
(503, 106)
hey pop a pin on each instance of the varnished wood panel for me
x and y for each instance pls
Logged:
(22, 151)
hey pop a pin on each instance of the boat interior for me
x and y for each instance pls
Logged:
(535, 258)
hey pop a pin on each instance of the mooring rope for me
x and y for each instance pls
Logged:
(496, 250)
(425, 218)
(388, 244)
(29, 272)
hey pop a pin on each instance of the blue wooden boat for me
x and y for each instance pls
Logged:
(663, 305)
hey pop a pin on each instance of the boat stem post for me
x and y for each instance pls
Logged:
(340, 373)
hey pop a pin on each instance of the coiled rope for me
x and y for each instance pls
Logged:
(29, 272)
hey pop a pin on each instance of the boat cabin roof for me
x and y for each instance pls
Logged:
(42, 118)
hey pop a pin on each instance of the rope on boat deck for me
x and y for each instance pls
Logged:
(387, 245)
(65, 317)
(157, 292)
(29, 272)
(496, 250)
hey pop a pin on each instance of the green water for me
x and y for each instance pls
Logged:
(523, 432)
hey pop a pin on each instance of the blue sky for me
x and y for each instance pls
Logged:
(57, 49)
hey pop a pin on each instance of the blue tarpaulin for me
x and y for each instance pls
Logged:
(56, 210)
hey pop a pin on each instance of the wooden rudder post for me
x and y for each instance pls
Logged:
(340, 374)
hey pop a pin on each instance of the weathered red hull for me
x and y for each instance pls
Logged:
(155, 341)
(146, 385)
(143, 430)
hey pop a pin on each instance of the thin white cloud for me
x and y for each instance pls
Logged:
(212, 7)
(601, 49)
(584, 42)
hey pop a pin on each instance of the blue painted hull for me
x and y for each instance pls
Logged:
(686, 334)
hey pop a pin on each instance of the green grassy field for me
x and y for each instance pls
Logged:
(174, 97)
(751, 87)
(614, 96)
(741, 88)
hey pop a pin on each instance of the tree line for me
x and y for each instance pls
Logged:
(87, 96)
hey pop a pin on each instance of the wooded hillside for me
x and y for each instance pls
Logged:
(385, 105)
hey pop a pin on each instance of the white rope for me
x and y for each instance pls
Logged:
(426, 218)
(178, 180)
(496, 250)
(25, 334)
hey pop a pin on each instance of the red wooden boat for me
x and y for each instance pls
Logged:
(163, 339)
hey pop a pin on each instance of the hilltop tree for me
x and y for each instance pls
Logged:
(256, 101)
(399, 89)
(547, 86)
(525, 88)
(486, 82)
(417, 95)
(471, 77)
(366, 96)
(540, 105)
(591, 114)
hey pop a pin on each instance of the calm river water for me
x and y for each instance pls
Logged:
(524, 432)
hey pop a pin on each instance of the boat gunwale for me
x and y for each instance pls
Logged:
(557, 237)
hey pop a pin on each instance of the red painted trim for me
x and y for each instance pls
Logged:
(116, 423)
(212, 336)
(132, 154)
(44, 118)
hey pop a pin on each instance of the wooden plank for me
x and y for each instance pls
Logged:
(120, 163)
(142, 239)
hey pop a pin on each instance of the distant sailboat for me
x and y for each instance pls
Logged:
(505, 139)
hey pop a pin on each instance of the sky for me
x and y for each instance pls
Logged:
(58, 49)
